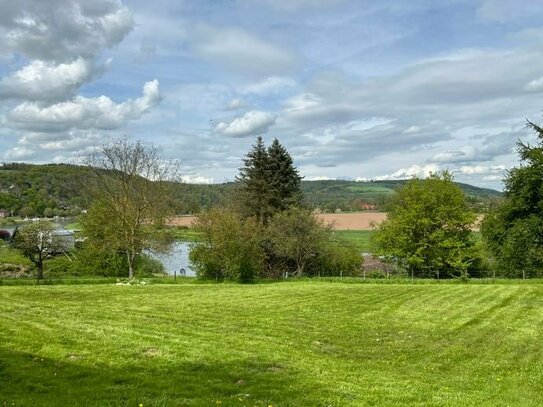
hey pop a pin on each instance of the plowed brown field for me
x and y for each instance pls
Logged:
(342, 221)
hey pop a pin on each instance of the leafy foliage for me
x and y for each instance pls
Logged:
(298, 236)
(131, 198)
(514, 231)
(428, 230)
(28, 190)
(87, 261)
(37, 242)
(230, 248)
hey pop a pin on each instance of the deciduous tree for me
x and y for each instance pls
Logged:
(297, 235)
(428, 230)
(131, 197)
(37, 241)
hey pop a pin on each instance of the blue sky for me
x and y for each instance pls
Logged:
(353, 89)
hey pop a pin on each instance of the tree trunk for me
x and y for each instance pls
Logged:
(299, 269)
(130, 264)
(40, 269)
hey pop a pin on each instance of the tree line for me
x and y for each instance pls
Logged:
(265, 229)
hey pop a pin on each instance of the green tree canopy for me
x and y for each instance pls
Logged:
(230, 247)
(514, 230)
(269, 182)
(297, 235)
(130, 198)
(37, 241)
(428, 230)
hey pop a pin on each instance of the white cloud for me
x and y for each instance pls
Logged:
(410, 172)
(83, 113)
(60, 30)
(535, 86)
(66, 147)
(293, 5)
(302, 102)
(42, 80)
(270, 85)
(482, 169)
(196, 179)
(411, 130)
(505, 10)
(317, 178)
(466, 153)
(235, 104)
(239, 50)
(252, 123)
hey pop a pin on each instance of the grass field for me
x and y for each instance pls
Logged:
(281, 344)
(360, 238)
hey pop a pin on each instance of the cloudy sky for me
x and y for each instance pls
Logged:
(354, 89)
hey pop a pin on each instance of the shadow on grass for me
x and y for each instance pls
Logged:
(27, 379)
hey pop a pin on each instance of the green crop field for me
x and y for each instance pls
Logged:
(280, 344)
(360, 238)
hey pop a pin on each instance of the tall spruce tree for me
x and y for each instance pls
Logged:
(255, 179)
(269, 181)
(285, 178)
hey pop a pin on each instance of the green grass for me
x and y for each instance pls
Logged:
(282, 344)
(369, 189)
(360, 238)
(11, 256)
(186, 234)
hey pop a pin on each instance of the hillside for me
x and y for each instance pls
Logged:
(352, 195)
(55, 189)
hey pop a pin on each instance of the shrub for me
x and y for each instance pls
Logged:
(230, 247)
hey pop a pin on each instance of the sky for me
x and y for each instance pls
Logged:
(353, 89)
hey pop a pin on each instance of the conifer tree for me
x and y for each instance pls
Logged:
(285, 178)
(254, 176)
(269, 181)
(514, 231)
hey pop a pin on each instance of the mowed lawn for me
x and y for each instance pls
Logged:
(280, 344)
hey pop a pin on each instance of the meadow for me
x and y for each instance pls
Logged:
(304, 343)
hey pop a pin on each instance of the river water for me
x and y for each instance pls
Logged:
(174, 261)
(177, 259)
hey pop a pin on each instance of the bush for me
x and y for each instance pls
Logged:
(89, 262)
(230, 248)
(340, 258)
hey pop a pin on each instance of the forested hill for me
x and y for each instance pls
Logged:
(55, 189)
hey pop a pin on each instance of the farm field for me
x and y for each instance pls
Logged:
(282, 344)
(360, 238)
(341, 221)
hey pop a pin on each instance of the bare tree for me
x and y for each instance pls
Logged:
(131, 191)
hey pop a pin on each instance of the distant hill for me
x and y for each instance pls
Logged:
(55, 189)
(331, 195)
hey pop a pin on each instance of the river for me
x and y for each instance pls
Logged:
(174, 261)
(177, 259)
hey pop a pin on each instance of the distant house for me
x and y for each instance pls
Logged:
(4, 213)
(368, 207)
